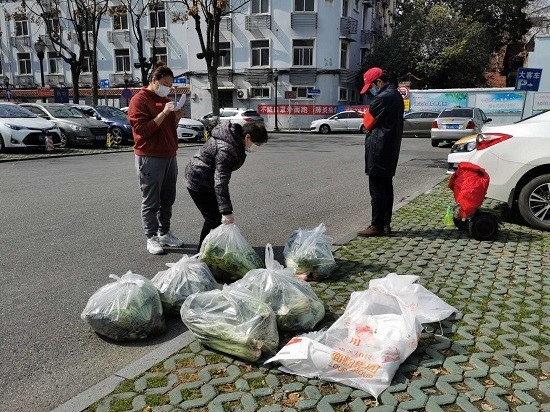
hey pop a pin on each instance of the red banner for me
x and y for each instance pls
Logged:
(297, 109)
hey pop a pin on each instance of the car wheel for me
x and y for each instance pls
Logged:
(324, 129)
(435, 143)
(363, 129)
(64, 139)
(2, 145)
(116, 136)
(483, 226)
(534, 202)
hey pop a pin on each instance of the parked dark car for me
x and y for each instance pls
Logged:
(418, 124)
(121, 130)
(74, 126)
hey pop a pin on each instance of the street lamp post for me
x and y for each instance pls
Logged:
(276, 78)
(7, 87)
(126, 81)
(40, 48)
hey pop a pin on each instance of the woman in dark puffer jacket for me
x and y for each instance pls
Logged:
(208, 173)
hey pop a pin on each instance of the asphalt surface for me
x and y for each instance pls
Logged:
(493, 355)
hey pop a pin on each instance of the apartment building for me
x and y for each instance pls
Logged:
(297, 58)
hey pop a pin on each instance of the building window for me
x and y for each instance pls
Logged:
(225, 55)
(161, 55)
(22, 27)
(259, 93)
(301, 92)
(24, 63)
(54, 63)
(304, 5)
(260, 52)
(87, 63)
(302, 51)
(342, 94)
(52, 24)
(120, 21)
(259, 6)
(353, 95)
(344, 55)
(122, 60)
(157, 15)
(345, 8)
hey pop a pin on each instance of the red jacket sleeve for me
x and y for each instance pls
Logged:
(368, 120)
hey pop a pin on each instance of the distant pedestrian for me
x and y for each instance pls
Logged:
(384, 122)
(208, 173)
(154, 122)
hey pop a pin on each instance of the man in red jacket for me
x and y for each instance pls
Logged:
(154, 122)
(384, 121)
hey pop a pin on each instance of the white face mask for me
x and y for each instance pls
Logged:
(162, 90)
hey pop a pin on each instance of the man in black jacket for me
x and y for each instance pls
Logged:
(384, 120)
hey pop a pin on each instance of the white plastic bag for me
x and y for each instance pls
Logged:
(378, 330)
(294, 302)
(187, 276)
(232, 321)
(225, 248)
(127, 309)
(308, 252)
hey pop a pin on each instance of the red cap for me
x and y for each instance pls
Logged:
(369, 76)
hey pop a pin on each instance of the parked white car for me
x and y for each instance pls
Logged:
(20, 128)
(190, 130)
(517, 159)
(348, 121)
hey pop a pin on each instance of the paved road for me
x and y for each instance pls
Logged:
(68, 223)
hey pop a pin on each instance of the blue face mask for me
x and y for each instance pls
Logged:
(373, 90)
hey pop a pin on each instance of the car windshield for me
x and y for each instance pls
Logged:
(539, 117)
(64, 112)
(12, 111)
(251, 113)
(458, 112)
(111, 112)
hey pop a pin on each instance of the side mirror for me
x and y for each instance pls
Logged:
(488, 120)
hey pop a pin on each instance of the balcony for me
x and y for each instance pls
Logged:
(303, 20)
(24, 81)
(257, 22)
(226, 24)
(258, 76)
(20, 41)
(160, 34)
(118, 36)
(348, 25)
(303, 76)
(54, 79)
(347, 76)
(366, 37)
(85, 79)
(117, 79)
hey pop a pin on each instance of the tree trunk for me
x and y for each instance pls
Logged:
(75, 73)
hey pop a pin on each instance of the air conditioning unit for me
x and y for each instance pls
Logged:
(242, 93)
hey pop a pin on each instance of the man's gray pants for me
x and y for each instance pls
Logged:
(157, 181)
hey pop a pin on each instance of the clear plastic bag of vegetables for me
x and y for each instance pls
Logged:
(187, 276)
(232, 321)
(226, 249)
(127, 309)
(309, 252)
(294, 302)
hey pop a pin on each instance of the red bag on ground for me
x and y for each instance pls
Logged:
(469, 184)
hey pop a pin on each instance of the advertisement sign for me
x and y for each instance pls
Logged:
(298, 109)
(541, 102)
(437, 101)
(499, 102)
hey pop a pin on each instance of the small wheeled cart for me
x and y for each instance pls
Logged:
(469, 185)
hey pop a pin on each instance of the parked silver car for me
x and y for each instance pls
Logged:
(347, 121)
(455, 123)
(418, 124)
(75, 127)
(190, 130)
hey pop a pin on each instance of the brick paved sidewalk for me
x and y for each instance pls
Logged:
(494, 355)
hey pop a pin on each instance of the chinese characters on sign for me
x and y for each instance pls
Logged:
(297, 109)
(528, 79)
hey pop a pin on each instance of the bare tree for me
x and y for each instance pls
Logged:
(67, 20)
(207, 15)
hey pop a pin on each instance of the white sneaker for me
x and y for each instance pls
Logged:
(153, 246)
(169, 239)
